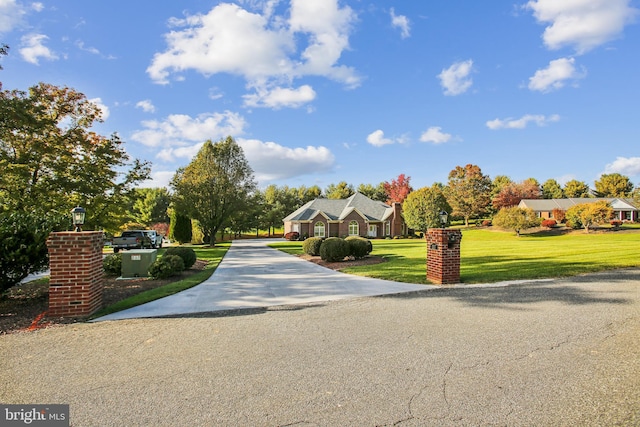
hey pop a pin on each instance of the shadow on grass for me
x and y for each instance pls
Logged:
(518, 295)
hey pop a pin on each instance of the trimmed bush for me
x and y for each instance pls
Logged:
(616, 223)
(486, 223)
(188, 255)
(334, 249)
(549, 223)
(359, 247)
(161, 269)
(311, 246)
(176, 263)
(292, 236)
(112, 264)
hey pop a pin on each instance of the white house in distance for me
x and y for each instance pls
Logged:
(623, 209)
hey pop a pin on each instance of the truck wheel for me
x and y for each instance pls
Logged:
(116, 250)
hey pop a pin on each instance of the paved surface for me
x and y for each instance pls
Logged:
(253, 275)
(556, 353)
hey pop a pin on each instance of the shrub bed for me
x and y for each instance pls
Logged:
(112, 264)
(292, 236)
(549, 223)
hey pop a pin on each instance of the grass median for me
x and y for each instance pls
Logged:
(489, 256)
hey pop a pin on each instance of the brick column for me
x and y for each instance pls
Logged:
(443, 255)
(77, 274)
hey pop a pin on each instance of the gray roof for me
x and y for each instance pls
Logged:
(547, 205)
(336, 210)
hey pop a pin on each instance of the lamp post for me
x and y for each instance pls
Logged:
(77, 215)
(443, 218)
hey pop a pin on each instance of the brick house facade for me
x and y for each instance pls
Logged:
(356, 216)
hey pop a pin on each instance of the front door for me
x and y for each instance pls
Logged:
(373, 230)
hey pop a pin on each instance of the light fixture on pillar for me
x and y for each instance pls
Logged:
(77, 215)
(443, 218)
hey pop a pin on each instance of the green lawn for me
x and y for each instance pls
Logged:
(491, 256)
(213, 255)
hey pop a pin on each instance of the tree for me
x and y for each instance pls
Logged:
(307, 194)
(23, 248)
(498, 183)
(150, 205)
(398, 189)
(516, 219)
(587, 215)
(422, 207)
(468, 192)
(613, 185)
(278, 203)
(513, 193)
(49, 157)
(551, 189)
(374, 193)
(340, 191)
(180, 228)
(576, 189)
(214, 186)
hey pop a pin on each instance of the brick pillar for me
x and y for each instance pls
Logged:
(443, 255)
(77, 274)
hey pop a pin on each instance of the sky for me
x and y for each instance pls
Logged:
(322, 91)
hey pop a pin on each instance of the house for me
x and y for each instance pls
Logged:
(623, 209)
(356, 216)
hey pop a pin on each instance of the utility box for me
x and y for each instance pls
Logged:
(136, 263)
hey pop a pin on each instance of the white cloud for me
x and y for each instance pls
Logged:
(377, 139)
(33, 48)
(629, 166)
(179, 130)
(102, 107)
(522, 122)
(11, 14)
(158, 179)
(582, 24)
(401, 22)
(268, 51)
(37, 6)
(555, 75)
(435, 135)
(455, 80)
(271, 161)
(146, 106)
(280, 97)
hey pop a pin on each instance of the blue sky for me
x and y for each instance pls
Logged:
(322, 91)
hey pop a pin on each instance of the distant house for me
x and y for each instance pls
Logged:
(356, 216)
(623, 209)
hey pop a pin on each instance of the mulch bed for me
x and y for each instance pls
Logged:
(24, 307)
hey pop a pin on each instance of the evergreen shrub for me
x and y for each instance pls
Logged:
(359, 247)
(311, 246)
(112, 264)
(188, 255)
(334, 249)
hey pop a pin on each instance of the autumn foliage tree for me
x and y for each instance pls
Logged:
(513, 193)
(468, 192)
(398, 189)
(586, 215)
(516, 219)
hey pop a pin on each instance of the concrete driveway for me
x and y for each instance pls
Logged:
(253, 275)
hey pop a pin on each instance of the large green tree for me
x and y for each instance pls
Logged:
(215, 185)
(551, 189)
(50, 158)
(150, 205)
(468, 192)
(422, 207)
(342, 190)
(374, 193)
(613, 185)
(576, 189)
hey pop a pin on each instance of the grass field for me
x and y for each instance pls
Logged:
(489, 256)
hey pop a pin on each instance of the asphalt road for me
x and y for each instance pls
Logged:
(556, 353)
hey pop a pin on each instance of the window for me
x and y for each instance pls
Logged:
(318, 230)
(387, 228)
(354, 229)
